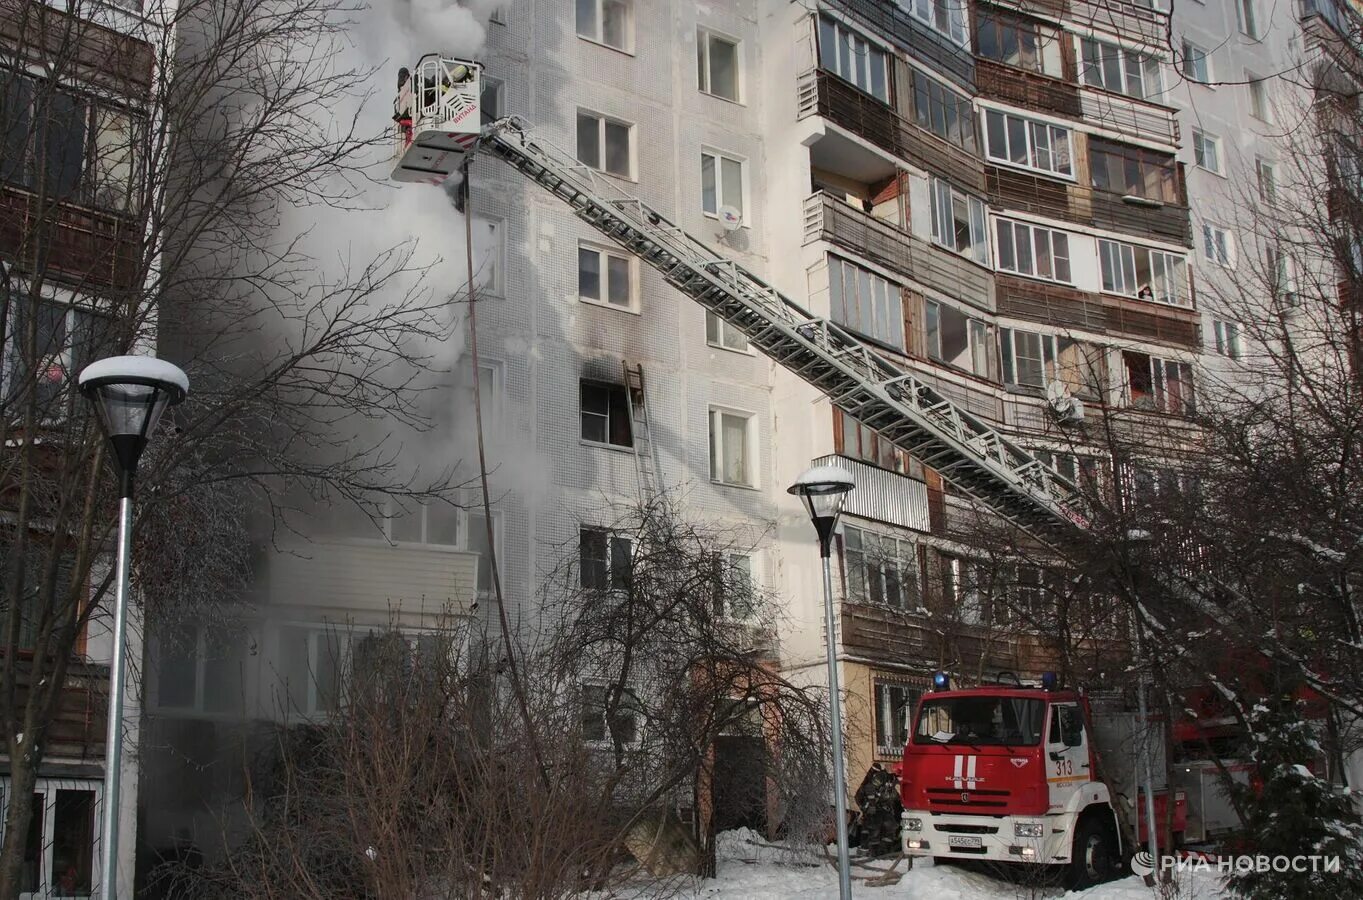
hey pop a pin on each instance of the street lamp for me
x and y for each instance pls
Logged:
(129, 394)
(823, 489)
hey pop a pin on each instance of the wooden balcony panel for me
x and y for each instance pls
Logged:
(1165, 324)
(978, 400)
(1041, 196)
(1049, 304)
(882, 242)
(1129, 116)
(92, 53)
(890, 20)
(1050, 9)
(901, 637)
(1028, 90)
(83, 246)
(77, 730)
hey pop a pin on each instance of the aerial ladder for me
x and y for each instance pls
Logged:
(439, 123)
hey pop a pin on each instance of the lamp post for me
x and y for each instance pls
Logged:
(129, 394)
(823, 490)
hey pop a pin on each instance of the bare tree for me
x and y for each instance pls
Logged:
(152, 176)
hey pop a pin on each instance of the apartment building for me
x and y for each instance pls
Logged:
(1016, 201)
(74, 90)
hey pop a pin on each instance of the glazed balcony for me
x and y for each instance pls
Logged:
(843, 225)
(1129, 116)
(892, 21)
(1128, 19)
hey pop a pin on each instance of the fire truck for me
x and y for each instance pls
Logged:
(988, 773)
(1040, 775)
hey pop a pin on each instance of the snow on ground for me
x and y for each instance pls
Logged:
(751, 869)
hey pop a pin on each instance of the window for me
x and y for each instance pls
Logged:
(316, 662)
(1133, 171)
(490, 100)
(732, 448)
(605, 22)
(605, 144)
(1227, 338)
(1246, 18)
(853, 58)
(1196, 63)
(894, 704)
(881, 569)
(1033, 250)
(605, 414)
(717, 65)
(851, 438)
(200, 669)
(1281, 271)
(961, 580)
(59, 850)
(958, 222)
(1159, 384)
(605, 559)
(945, 113)
(733, 587)
(1117, 69)
(1206, 151)
(957, 339)
(1266, 177)
(721, 183)
(474, 534)
(1078, 470)
(610, 714)
(865, 303)
(490, 376)
(1143, 273)
(1216, 245)
(1015, 42)
(489, 255)
(1035, 360)
(719, 333)
(1021, 597)
(1033, 145)
(83, 151)
(65, 338)
(605, 277)
(944, 16)
(1259, 105)
(422, 523)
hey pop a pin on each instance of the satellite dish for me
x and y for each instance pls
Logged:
(1067, 407)
(730, 218)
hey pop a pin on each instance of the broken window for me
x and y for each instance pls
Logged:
(1158, 384)
(605, 414)
(957, 339)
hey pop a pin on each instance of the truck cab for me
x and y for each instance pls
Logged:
(1007, 774)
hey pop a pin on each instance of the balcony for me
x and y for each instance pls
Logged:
(838, 223)
(83, 245)
(1028, 90)
(77, 729)
(1066, 307)
(882, 495)
(80, 49)
(898, 636)
(824, 94)
(1129, 19)
(1040, 196)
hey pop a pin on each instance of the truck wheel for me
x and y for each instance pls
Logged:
(1094, 854)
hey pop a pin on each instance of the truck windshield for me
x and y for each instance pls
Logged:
(983, 721)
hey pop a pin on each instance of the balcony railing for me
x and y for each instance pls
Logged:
(838, 223)
(1037, 195)
(905, 637)
(824, 94)
(1126, 18)
(882, 495)
(1028, 90)
(77, 729)
(84, 245)
(1129, 116)
(1067, 307)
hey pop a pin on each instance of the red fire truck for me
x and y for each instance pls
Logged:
(1012, 774)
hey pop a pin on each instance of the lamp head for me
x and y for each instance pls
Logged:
(129, 394)
(823, 489)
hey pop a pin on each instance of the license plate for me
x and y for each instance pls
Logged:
(964, 840)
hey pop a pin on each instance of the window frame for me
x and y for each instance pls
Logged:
(1247, 19)
(1227, 338)
(599, 14)
(611, 388)
(929, 12)
(1218, 252)
(1260, 105)
(1034, 232)
(604, 254)
(721, 192)
(197, 706)
(612, 542)
(1030, 148)
(717, 337)
(602, 120)
(751, 450)
(1160, 400)
(868, 563)
(608, 740)
(844, 38)
(1175, 266)
(1202, 141)
(705, 75)
(929, 95)
(977, 215)
(48, 788)
(977, 348)
(1123, 55)
(82, 337)
(885, 687)
(1142, 161)
(884, 300)
(1195, 56)
(1266, 187)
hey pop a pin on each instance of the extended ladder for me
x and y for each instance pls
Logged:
(965, 450)
(646, 466)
